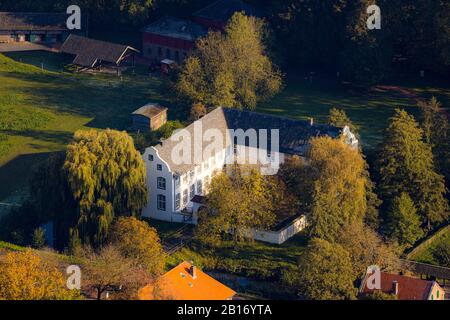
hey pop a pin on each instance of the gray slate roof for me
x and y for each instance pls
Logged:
(150, 110)
(176, 28)
(223, 10)
(25, 21)
(293, 134)
(89, 51)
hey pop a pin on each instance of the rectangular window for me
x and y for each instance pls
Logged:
(177, 201)
(191, 174)
(192, 191)
(185, 196)
(161, 183)
(159, 167)
(161, 202)
(199, 187)
(150, 157)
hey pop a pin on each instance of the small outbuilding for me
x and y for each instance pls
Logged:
(96, 54)
(150, 117)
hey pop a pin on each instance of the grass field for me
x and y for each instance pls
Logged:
(367, 108)
(424, 253)
(40, 110)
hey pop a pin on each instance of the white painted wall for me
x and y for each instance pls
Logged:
(281, 236)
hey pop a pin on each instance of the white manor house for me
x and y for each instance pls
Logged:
(175, 186)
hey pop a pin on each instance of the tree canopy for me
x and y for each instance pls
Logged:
(340, 183)
(236, 203)
(24, 276)
(230, 69)
(405, 164)
(137, 240)
(107, 178)
(326, 272)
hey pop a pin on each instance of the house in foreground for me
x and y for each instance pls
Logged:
(186, 282)
(174, 178)
(91, 54)
(405, 288)
(42, 28)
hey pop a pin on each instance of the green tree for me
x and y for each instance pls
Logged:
(38, 238)
(338, 118)
(236, 203)
(405, 164)
(442, 254)
(230, 69)
(403, 222)
(107, 178)
(326, 272)
(137, 240)
(340, 183)
(436, 131)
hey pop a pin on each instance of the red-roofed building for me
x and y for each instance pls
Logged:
(186, 282)
(405, 288)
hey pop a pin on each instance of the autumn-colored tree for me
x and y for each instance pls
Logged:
(107, 270)
(326, 272)
(137, 240)
(403, 222)
(106, 175)
(230, 69)
(198, 110)
(405, 164)
(237, 203)
(338, 118)
(24, 276)
(366, 248)
(340, 183)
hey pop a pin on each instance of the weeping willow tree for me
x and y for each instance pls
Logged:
(106, 176)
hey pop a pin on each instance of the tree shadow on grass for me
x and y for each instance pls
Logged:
(15, 174)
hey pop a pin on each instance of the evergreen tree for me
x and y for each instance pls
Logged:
(107, 178)
(406, 164)
(338, 118)
(436, 131)
(38, 238)
(403, 222)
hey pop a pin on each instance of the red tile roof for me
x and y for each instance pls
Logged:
(408, 288)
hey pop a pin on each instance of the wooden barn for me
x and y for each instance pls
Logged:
(91, 54)
(149, 117)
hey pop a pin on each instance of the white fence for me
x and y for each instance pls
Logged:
(280, 236)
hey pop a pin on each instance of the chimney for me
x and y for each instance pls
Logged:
(395, 287)
(193, 271)
(311, 121)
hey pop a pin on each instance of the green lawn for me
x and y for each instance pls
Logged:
(40, 110)
(367, 108)
(424, 253)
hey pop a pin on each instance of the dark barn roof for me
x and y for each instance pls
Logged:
(293, 134)
(24, 21)
(89, 51)
(176, 28)
(223, 10)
